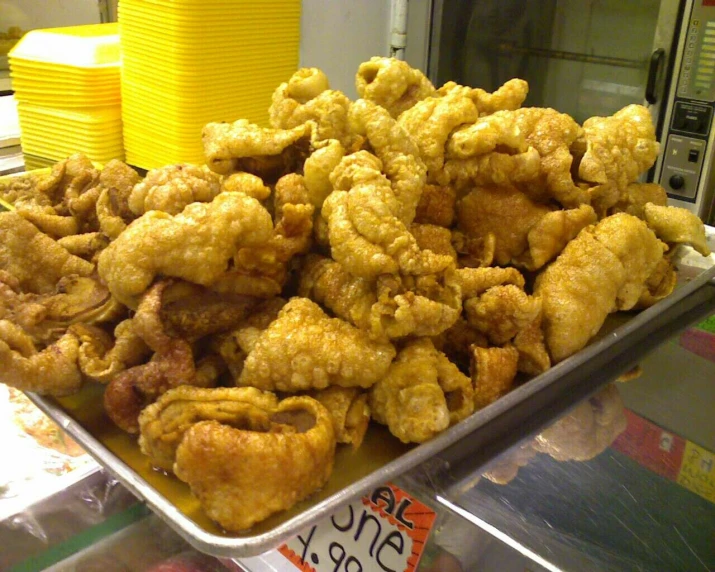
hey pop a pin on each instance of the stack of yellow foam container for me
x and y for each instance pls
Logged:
(67, 85)
(186, 63)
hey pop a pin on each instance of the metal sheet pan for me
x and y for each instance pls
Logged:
(382, 458)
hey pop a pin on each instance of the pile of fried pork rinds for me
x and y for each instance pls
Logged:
(407, 257)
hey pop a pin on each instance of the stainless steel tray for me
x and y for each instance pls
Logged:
(489, 431)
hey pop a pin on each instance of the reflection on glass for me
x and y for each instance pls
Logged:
(583, 58)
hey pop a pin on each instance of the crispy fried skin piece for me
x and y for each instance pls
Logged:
(116, 182)
(502, 312)
(548, 237)
(475, 281)
(86, 246)
(660, 284)
(366, 234)
(102, 356)
(637, 196)
(508, 97)
(195, 245)
(618, 149)
(422, 394)
(392, 84)
(638, 249)
(243, 146)
(349, 410)
(52, 371)
(163, 423)
(307, 96)
(676, 225)
(457, 340)
(504, 212)
(435, 238)
(552, 134)
(603, 269)
(46, 219)
(436, 206)
(191, 312)
(485, 135)
(317, 171)
(399, 154)
(172, 188)
(493, 373)
(247, 184)
(172, 365)
(474, 252)
(33, 258)
(529, 342)
(305, 349)
(431, 121)
(587, 430)
(222, 463)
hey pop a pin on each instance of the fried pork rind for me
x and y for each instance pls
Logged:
(587, 430)
(509, 96)
(46, 317)
(392, 84)
(637, 196)
(493, 373)
(51, 371)
(116, 182)
(504, 212)
(435, 238)
(618, 149)
(242, 476)
(163, 423)
(675, 225)
(102, 356)
(430, 121)
(474, 282)
(660, 284)
(317, 171)
(305, 349)
(172, 188)
(390, 307)
(246, 183)
(436, 206)
(86, 246)
(172, 365)
(422, 394)
(502, 312)
(267, 153)
(195, 245)
(603, 269)
(349, 410)
(474, 252)
(307, 96)
(35, 260)
(548, 237)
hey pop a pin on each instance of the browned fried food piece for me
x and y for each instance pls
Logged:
(533, 355)
(246, 183)
(474, 252)
(116, 182)
(163, 423)
(33, 258)
(172, 188)
(508, 96)
(676, 225)
(493, 373)
(502, 312)
(422, 393)
(587, 430)
(504, 212)
(603, 269)
(475, 281)
(552, 134)
(456, 342)
(86, 246)
(349, 410)
(435, 238)
(222, 463)
(436, 206)
(305, 349)
(637, 196)
(195, 245)
(307, 96)
(317, 171)
(660, 284)
(102, 356)
(267, 153)
(392, 84)
(51, 371)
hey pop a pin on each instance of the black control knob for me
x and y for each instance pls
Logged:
(676, 182)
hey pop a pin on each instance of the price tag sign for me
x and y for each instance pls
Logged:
(384, 531)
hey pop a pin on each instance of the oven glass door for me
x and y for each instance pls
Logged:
(582, 57)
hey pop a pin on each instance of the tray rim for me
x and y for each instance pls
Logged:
(245, 546)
